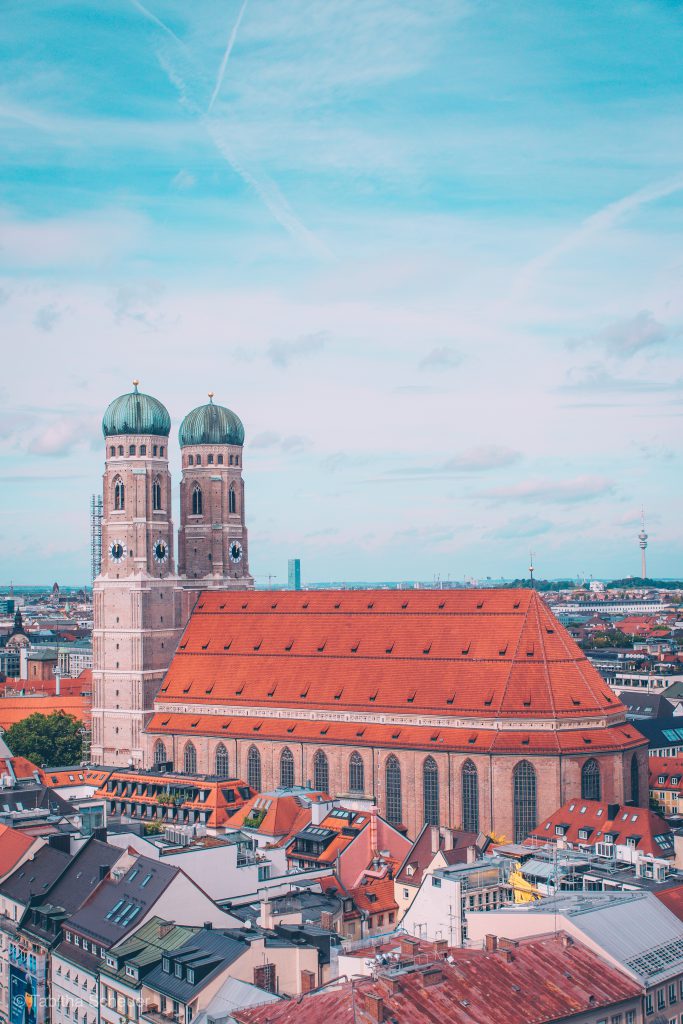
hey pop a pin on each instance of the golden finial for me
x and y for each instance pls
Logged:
(135, 384)
(211, 394)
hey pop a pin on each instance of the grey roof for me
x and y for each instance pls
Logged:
(79, 877)
(116, 906)
(33, 795)
(662, 732)
(309, 902)
(35, 876)
(633, 927)
(208, 952)
(234, 995)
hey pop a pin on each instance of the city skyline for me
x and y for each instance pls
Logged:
(434, 271)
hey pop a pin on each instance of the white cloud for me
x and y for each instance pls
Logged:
(554, 492)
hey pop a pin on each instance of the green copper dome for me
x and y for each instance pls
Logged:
(136, 413)
(211, 424)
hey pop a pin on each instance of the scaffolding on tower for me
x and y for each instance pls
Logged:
(95, 536)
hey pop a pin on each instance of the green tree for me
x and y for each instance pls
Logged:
(52, 740)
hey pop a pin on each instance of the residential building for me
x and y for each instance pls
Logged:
(433, 848)
(666, 783)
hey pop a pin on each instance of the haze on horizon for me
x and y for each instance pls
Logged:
(429, 253)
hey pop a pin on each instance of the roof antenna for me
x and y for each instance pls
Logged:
(531, 569)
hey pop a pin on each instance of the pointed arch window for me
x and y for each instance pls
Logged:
(321, 772)
(286, 768)
(392, 775)
(232, 500)
(160, 752)
(119, 495)
(524, 800)
(356, 773)
(156, 494)
(197, 503)
(190, 760)
(470, 797)
(222, 762)
(430, 791)
(635, 782)
(590, 780)
(254, 769)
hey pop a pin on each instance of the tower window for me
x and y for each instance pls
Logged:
(237, 460)
(197, 503)
(131, 449)
(112, 449)
(199, 460)
(143, 449)
(232, 501)
(119, 495)
(220, 460)
(156, 494)
(230, 460)
(210, 460)
(155, 449)
(190, 460)
(161, 451)
(120, 449)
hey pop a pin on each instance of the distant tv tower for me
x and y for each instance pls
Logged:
(531, 568)
(642, 538)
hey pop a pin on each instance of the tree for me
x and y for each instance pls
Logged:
(52, 740)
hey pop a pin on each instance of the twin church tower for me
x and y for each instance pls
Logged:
(141, 603)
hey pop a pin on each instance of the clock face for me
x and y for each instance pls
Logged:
(160, 550)
(117, 551)
(235, 551)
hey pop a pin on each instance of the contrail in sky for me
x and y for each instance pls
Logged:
(226, 56)
(156, 21)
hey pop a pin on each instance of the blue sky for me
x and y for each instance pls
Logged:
(429, 252)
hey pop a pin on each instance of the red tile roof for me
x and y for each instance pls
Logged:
(140, 789)
(493, 653)
(538, 980)
(672, 899)
(13, 846)
(651, 833)
(16, 709)
(668, 769)
(283, 813)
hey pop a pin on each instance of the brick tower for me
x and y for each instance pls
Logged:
(212, 540)
(137, 600)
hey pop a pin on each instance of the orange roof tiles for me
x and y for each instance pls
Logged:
(140, 789)
(16, 709)
(495, 653)
(14, 846)
(666, 773)
(672, 899)
(284, 814)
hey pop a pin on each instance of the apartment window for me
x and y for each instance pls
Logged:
(616, 1018)
(264, 873)
(672, 992)
(178, 970)
(660, 999)
(436, 882)
(406, 894)
(630, 1016)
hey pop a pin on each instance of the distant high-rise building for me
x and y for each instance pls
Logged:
(642, 539)
(294, 573)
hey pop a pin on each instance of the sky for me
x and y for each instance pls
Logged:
(430, 253)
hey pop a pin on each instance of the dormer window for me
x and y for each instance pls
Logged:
(178, 970)
(190, 976)
(661, 780)
(166, 965)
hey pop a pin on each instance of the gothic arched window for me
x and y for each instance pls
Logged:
(197, 500)
(635, 781)
(156, 494)
(524, 800)
(392, 774)
(119, 495)
(190, 760)
(430, 791)
(321, 772)
(470, 797)
(232, 501)
(590, 780)
(222, 762)
(356, 773)
(254, 769)
(286, 768)
(159, 753)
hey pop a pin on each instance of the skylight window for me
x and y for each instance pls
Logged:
(114, 909)
(146, 880)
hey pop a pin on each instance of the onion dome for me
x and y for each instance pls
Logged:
(211, 424)
(136, 413)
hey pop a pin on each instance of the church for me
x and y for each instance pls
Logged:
(472, 709)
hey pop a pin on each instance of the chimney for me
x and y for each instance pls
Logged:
(491, 943)
(165, 927)
(374, 1007)
(208, 926)
(408, 945)
(508, 955)
(471, 854)
(307, 981)
(612, 811)
(441, 946)
(448, 839)
(436, 839)
(104, 871)
(266, 914)
(319, 810)
(567, 940)
(432, 976)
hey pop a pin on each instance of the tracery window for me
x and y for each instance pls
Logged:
(232, 501)
(156, 494)
(590, 780)
(321, 772)
(159, 752)
(286, 768)
(190, 760)
(430, 791)
(119, 495)
(254, 769)
(356, 773)
(524, 800)
(470, 797)
(197, 503)
(222, 762)
(392, 775)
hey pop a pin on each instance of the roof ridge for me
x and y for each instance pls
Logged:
(544, 661)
